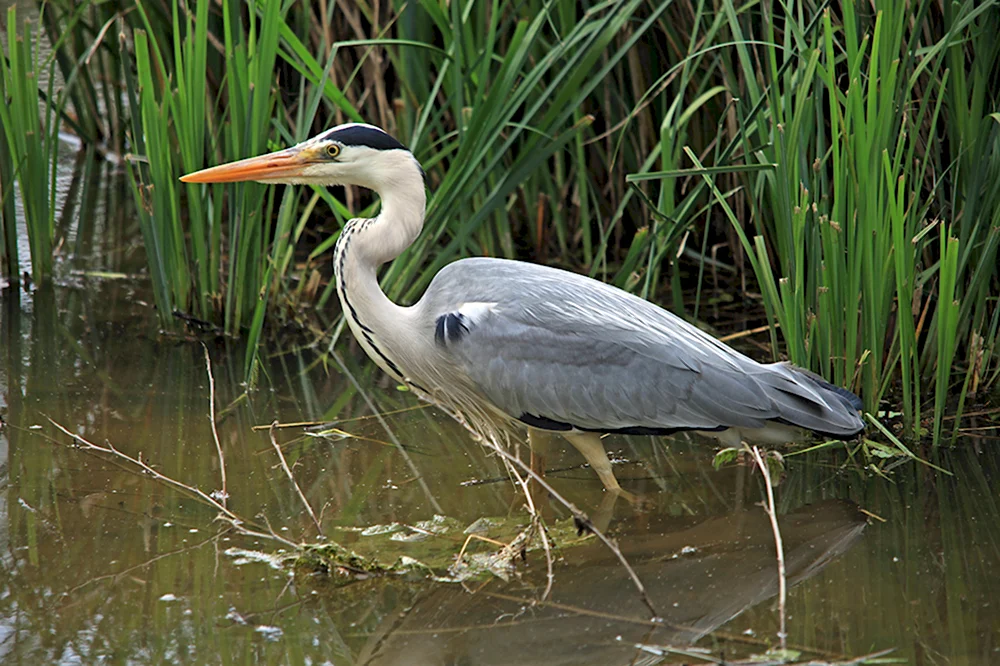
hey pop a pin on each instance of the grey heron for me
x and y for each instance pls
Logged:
(505, 344)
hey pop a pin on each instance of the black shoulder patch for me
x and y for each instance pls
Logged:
(450, 328)
(660, 432)
(365, 135)
(544, 423)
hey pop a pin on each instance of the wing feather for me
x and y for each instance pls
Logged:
(565, 348)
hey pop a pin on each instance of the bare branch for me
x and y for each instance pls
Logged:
(288, 473)
(215, 432)
(580, 516)
(225, 514)
(536, 525)
(778, 545)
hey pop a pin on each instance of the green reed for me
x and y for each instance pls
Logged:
(851, 188)
(30, 146)
(519, 104)
(9, 261)
(194, 265)
(852, 159)
(62, 78)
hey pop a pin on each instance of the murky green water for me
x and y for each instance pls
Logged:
(102, 565)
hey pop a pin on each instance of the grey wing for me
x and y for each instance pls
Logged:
(557, 350)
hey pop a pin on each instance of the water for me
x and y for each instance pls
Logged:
(103, 565)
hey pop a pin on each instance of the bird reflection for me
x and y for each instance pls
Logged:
(699, 577)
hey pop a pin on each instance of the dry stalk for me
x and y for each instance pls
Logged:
(778, 545)
(477, 537)
(211, 417)
(536, 525)
(288, 473)
(748, 333)
(579, 515)
(241, 525)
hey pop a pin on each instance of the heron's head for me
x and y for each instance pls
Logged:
(353, 154)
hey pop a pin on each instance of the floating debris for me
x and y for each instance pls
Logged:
(376, 530)
(269, 633)
(243, 556)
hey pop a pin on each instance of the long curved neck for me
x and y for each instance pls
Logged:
(384, 237)
(366, 244)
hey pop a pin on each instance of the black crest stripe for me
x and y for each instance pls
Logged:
(361, 135)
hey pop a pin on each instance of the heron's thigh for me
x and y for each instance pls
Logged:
(592, 448)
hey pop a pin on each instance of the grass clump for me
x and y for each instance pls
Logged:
(839, 165)
(29, 145)
(856, 221)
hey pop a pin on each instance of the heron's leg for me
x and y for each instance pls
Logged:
(589, 444)
(605, 511)
(541, 443)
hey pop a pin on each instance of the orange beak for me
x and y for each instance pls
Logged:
(283, 164)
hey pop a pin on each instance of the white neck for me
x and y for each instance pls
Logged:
(366, 244)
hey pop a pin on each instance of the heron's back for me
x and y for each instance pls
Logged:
(561, 351)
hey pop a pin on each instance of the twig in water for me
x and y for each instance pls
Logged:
(115, 577)
(478, 537)
(550, 576)
(778, 545)
(224, 493)
(583, 519)
(288, 472)
(366, 417)
(578, 515)
(536, 524)
(240, 524)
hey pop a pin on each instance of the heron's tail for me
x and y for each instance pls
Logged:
(806, 400)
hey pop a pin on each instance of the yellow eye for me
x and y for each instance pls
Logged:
(333, 150)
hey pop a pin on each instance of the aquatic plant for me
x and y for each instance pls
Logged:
(839, 169)
(29, 144)
(864, 226)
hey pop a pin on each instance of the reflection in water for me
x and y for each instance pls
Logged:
(98, 564)
(700, 577)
